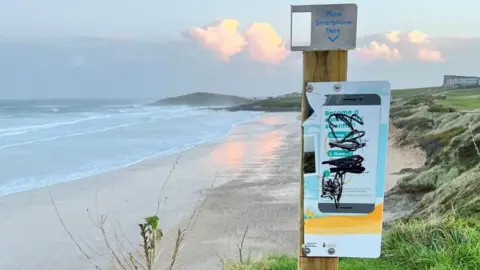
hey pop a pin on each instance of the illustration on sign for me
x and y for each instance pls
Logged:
(332, 27)
(345, 147)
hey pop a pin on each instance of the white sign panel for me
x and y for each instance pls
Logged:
(347, 131)
(330, 27)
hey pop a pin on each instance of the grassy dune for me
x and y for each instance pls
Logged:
(443, 232)
(450, 179)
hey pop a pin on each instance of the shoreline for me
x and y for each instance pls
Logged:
(144, 159)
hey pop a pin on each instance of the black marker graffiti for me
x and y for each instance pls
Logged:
(333, 188)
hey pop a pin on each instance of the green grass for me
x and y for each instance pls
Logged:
(411, 91)
(435, 142)
(439, 108)
(271, 262)
(462, 102)
(447, 243)
(279, 102)
(465, 92)
(461, 99)
(283, 103)
(417, 123)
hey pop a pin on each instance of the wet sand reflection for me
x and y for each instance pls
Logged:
(242, 151)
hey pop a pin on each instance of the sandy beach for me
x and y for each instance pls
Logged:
(248, 179)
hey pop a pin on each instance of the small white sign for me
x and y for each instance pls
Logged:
(331, 27)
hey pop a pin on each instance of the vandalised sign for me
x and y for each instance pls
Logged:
(345, 148)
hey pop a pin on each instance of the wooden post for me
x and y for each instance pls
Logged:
(318, 66)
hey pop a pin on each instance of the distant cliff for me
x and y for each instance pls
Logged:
(203, 99)
(286, 103)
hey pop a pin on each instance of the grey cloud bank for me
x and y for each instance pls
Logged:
(108, 68)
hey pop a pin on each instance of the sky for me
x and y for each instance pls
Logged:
(166, 19)
(145, 48)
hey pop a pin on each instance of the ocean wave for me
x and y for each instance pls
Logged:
(19, 185)
(122, 105)
(23, 129)
(151, 114)
(69, 135)
(136, 135)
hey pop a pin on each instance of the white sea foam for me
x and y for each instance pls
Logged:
(38, 149)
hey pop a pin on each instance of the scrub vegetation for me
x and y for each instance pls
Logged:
(450, 178)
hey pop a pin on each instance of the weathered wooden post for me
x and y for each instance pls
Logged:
(333, 30)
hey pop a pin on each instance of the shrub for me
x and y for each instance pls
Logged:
(437, 108)
(416, 123)
(434, 143)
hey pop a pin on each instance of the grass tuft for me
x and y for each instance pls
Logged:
(447, 243)
(271, 262)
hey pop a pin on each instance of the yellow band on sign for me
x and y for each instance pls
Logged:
(340, 225)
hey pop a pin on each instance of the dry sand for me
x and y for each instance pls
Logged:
(254, 173)
(400, 159)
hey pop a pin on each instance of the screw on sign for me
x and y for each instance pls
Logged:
(309, 88)
(337, 87)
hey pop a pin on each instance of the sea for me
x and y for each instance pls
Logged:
(46, 142)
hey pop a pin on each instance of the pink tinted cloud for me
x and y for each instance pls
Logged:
(378, 51)
(220, 37)
(418, 37)
(407, 46)
(393, 36)
(260, 40)
(264, 44)
(430, 55)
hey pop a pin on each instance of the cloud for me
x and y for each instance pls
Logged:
(220, 37)
(264, 44)
(418, 37)
(377, 51)
(393, 36)
(260, 40)
(429, 55)
(160, 66)
(409, 46)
